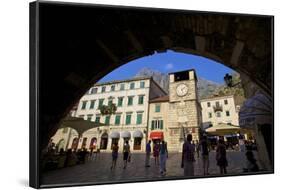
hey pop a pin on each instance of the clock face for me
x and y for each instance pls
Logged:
(181, 90)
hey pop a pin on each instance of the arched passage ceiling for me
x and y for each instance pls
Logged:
(79, 45)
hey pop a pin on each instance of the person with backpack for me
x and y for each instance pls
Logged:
(188, 157)
(163, 152)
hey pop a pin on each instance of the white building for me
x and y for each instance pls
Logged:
(130, 122)
(144, 112)
(219, 109)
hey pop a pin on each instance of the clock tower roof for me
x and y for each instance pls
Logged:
(184, 75)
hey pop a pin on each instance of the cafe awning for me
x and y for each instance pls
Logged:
(156, 135)
(126, 134)
(79, 124)
(137, 134)
(114, 135)
(256, 110)
(223, 129)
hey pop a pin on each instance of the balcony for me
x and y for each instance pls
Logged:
(217, 107)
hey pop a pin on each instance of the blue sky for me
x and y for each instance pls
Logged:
(171, 61)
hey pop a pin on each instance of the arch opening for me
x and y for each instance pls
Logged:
(243, 43)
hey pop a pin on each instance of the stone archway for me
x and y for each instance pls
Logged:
(61, 145)
(79, 49)
(75, 143)
(104, 141)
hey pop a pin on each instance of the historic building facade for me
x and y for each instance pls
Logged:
(129, 122)
(144, 112)
(219, 109)
(173, 116)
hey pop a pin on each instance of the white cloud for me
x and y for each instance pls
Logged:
(169, 66)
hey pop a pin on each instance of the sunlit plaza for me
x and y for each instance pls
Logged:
(120, 114)
(98, 170)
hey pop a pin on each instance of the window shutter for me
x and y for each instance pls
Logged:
(161, 124)
(152, 125)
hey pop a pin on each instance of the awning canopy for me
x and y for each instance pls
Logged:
(137, 134)
(79, 124)
(115, 135)
(223, 129)
(156, 135)
(256, 110)
(126, 134)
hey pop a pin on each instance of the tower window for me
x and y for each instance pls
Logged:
(181, 76)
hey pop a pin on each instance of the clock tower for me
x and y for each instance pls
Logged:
(184, 108)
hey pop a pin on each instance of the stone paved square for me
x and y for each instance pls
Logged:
(98, 170)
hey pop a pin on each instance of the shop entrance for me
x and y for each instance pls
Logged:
(104, 141)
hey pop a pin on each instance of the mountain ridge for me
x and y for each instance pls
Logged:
(205, 87)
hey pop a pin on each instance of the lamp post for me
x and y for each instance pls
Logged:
(183, 131)
(182, 135)
(228, 80)
(98, 142)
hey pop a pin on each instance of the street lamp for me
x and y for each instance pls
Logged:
(228, 80)
(182, 134)
(183, 131)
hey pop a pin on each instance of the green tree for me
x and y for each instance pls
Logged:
(108, 110)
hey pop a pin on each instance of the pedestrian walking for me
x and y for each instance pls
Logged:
(221, 156)
(91, 154)
(205, 154)
(252, 165)
(115, 149)
(197, 148)
(163, 152)
(147, 155)
(156, 152)
(188, 157)
(126, 154)
(241, 143)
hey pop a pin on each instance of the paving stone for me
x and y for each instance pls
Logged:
(98, 170)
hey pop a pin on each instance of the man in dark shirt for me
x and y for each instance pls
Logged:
(205, 154)
(147, 156)
(188, 157)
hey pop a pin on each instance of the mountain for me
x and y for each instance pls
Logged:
(161, 78)
(205, 87)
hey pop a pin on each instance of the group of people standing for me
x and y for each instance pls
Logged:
(188, 155)
(221, 156)
(160, 150)
(189, 150)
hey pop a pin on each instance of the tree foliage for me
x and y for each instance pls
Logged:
(108, 110)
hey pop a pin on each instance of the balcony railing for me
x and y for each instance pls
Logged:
(217, 108)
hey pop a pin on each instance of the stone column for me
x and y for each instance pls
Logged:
(131, 143)
(108, 148)
(262, 150)
(121, 144)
